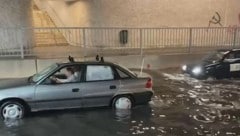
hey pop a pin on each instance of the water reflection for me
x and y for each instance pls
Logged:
(9, 127)
(11, 123)
(122, 114)
(95, 121)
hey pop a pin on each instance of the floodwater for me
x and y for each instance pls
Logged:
(182, 106)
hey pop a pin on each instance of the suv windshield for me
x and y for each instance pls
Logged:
(215, 56)
(44, 72)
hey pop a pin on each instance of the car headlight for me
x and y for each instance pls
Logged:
(184, 67)
(197, 70)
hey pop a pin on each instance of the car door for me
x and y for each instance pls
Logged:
(100, 85)
(235, 65)
(223, 67)
(230, 66)
(58, 95)
(222, 70)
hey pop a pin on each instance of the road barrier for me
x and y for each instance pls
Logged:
(21, 42)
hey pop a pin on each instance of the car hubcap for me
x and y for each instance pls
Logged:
(123, 103)
(12, 111)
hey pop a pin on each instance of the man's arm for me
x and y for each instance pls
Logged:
(68, 80)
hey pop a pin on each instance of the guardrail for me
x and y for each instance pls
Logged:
(22, 41)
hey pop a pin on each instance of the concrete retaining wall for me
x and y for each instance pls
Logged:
(15, 14)
(145, 13)
(17, 68)
(23, 68)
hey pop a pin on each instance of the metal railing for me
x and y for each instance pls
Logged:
(15, 42)
(25, 41)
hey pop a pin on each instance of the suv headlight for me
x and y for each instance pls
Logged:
(197, 70)
(184, 67)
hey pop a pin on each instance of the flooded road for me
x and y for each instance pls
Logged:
(182, 106)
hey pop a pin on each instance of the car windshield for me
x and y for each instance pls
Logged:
(215, 56)
(44, 72)
(125, 68)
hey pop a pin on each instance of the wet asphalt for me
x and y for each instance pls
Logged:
(181, 106)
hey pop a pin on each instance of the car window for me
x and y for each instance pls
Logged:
(122, 74)
(68, 74)
(99, 73)
(237, 55)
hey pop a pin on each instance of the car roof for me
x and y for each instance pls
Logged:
(235, 49)
(225, 50)
(87, 63)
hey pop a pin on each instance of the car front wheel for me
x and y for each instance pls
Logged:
(123, 102)
(12, 110)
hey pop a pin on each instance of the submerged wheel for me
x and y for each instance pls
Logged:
(12, 110)
(123, 102)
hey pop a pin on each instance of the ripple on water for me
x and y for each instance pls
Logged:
(140, 127)
(204, 118)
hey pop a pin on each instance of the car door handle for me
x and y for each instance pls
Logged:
(75, 90)
(112, 87)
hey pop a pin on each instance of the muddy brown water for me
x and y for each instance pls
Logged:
(182, 106)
